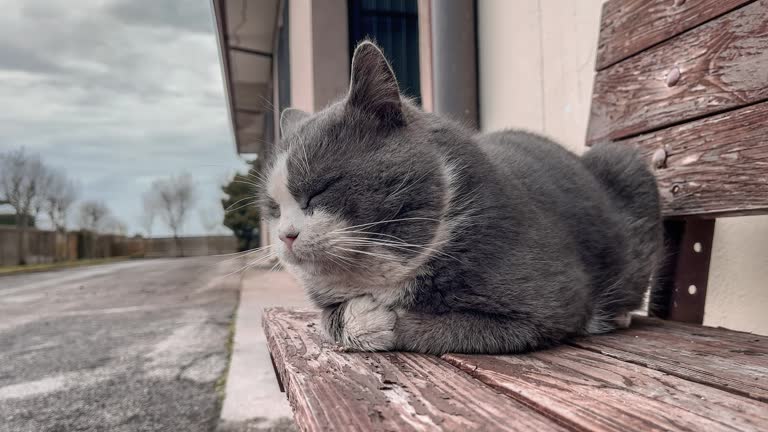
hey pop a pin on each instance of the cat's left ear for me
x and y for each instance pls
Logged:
(373, 86)
(290, 120)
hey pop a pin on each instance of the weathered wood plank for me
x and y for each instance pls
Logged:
(717, 165)
(727, 342)
(695, 354)
(331, 390)
(593, 392)
(630, 26)
(717, 66)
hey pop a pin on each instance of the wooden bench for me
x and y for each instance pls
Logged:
(687, 83)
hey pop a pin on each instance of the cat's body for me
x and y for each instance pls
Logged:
(413, 233)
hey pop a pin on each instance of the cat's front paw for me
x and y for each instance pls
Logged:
(362, 324)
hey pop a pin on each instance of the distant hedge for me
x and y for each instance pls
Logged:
(10, 219)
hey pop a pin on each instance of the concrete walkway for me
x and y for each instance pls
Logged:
(132, 346)
(253, 401)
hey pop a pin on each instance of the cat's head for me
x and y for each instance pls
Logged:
(358, 186)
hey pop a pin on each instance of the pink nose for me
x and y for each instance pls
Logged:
(288, 238)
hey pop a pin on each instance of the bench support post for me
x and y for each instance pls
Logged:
(681, 292)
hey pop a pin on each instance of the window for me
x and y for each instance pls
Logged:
(394, 25)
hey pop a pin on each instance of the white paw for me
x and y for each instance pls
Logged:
(368, 326)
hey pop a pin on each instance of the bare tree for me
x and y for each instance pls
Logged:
(173, 198)
(113, 225)
(93, 216)
(23, 179)
(45, 182)
(148, 214)
(59, 197)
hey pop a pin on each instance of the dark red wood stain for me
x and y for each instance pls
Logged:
(737, 363)
(592, 392)
(631, 26)
(338, 391)
(716, 166)
(723, 65)
(658, 375)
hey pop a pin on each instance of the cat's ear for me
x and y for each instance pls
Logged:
(373, 86)
(290, 120)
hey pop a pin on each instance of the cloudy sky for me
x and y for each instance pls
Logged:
(117, 93)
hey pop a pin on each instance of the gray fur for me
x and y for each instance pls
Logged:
(290, 119)
(522, 244)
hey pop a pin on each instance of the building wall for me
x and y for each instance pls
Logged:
(536, 68)
(319, 54)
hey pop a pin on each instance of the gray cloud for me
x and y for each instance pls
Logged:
(190, 15)
(18, 59)
(117, 95)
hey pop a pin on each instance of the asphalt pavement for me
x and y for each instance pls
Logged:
(132, 346)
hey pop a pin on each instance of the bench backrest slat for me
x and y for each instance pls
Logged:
(701, 97)
(718, 66)
(631, 26)
(716, 166)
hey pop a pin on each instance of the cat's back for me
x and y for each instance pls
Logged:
(541, 166)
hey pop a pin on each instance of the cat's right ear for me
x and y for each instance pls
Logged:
(373, 87)
(290, 120)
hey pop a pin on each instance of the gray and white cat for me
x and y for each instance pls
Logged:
(414, 233)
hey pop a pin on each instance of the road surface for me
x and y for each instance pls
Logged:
(132, 346)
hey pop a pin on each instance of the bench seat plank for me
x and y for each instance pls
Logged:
(722, 65)
(695, 355)
(715, 166)
(593, 392)
(728, 343)
(331, 390)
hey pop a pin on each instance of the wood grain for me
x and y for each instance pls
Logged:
(716, 166)
(592, 392)
(331, 390)
(727, 342)
(693, 353)
(630, 26)
(722, 65)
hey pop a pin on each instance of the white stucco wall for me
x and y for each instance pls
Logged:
(536, 68)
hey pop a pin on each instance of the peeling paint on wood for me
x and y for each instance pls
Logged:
(716, 166)
(735, 362)
(338, 391)
(722, 64)
(594, 393)
(630, 26)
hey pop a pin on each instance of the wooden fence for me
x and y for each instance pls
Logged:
(49, 246)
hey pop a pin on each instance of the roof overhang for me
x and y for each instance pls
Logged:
(245, 31)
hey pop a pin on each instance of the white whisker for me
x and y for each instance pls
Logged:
(238, 202)
(252, 263)
(250, 203)
(386, 221)
(418, 249)
(242, 254)
(382, 256)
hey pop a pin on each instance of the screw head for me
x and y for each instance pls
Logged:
(659, 158)
(673, 76)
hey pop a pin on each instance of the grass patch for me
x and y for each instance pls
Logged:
(221, 383)
(34, 268)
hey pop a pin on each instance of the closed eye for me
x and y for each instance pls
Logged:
(308, 202)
